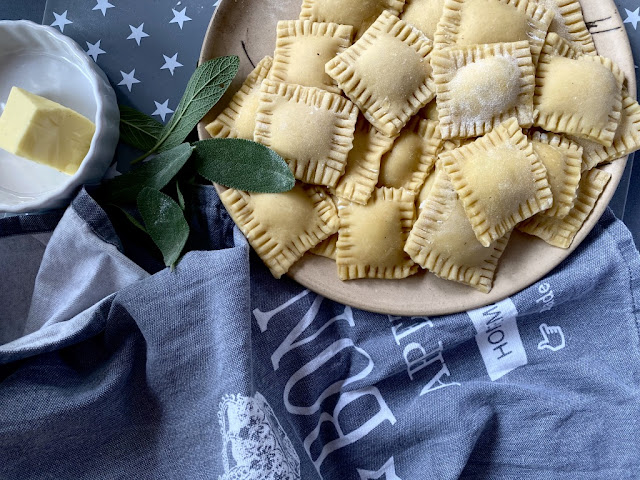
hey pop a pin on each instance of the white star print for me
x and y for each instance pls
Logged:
(388, 470)
(94, 50)
(128, 79)
(180, 17)
(61, 21)
(162, 109)
(633, 17)
(137, 34)
(103, 5)
(171, 63)
(217, 3)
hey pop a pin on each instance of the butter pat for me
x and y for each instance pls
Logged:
(44, 131)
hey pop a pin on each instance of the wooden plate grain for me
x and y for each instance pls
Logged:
(247, 28)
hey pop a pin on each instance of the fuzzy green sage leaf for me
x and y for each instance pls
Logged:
(139, 130)
(205, 88)
(155, 173)
(242, 164)
(165, 223)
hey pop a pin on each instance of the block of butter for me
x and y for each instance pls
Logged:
(44, 131)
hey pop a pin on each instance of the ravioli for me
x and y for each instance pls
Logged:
(238, 120)
(288, 113)
(499, 180)
(481, 86)
(386, 73)
(281, 227)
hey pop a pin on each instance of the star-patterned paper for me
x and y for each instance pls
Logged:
(147, 53)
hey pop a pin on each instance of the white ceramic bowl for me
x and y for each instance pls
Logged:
(43, 61)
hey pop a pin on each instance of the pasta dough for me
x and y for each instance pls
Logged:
(499, 180)
(372, 237)
(386, 73)
(481, 86)
(286, 115)
(281, 227)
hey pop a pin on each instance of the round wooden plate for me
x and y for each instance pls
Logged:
(247, 28)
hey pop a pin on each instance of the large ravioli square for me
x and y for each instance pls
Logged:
(311, 129)
(387, 73)
(500, 181)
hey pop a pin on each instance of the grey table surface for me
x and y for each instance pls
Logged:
(625, 204)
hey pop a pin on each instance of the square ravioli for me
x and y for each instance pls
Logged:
(412, 157)
(386, 73)
(499, 180)
(443, 242)
(563, 160)
(302, 50)
(363, 163)
(569, 23)
(424, 15)
(560, 232)
(310, 128)
(476, 22)
(281, 227)
(372, 237)
(565, 102)
(238, 120)
(358, 13)
(625, 142)
(481, 86)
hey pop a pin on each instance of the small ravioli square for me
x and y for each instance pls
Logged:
(372, 237)
(238, 120)
(363, 163)
(499, 180)
(563, 160)
(569, 23)
(412, 157)
(424, 15)
(302, 50)
(387, 73)
(358, 13)
(443, 241)
(565, 99)
(310, 128)
(281, 227)
(479, 87)
(625, 142)
(560, 232)
(477, 22)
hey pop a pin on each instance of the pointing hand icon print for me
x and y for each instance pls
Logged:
(553, 338)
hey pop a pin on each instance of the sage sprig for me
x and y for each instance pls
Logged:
(154, 186)
(205, 88)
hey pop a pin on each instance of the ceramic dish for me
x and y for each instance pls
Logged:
(247, 28)
(45, 62)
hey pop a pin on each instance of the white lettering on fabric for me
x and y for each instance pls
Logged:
(384, 414)
(315, 364)
(548, 299)
(369, 419)
(400, 330)
(498, 338)
(416, 356)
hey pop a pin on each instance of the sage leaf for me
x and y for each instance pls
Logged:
(242, 164)
(139, 130)
(206, 86)
(130, 217)
(155, 173)
(180, 196)
(165, 223)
